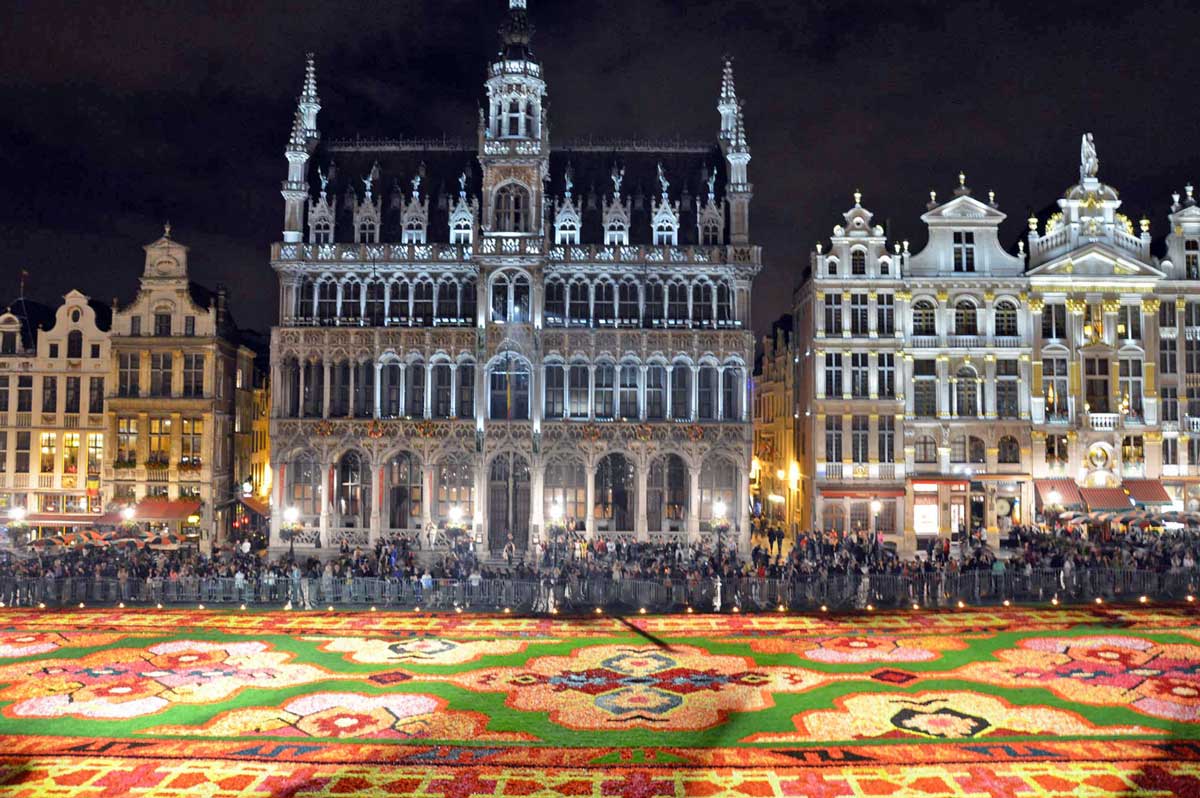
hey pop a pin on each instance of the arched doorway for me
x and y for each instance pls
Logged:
(667, 495)
(508, 501)
(616, 494)
(403, 478)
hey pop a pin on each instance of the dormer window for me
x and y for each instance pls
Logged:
(665, 235)
(858, 262)
(567, 233)
(964, 252)
(414, 233)
(1191, 258)
(512, 209)
(368, 233)
(461, 234)
(8, 343)
(710, 235)
(616, 235)
(322, 232)
(833, 267)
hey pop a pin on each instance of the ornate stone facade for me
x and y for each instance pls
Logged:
(965, 387)
(500, 343)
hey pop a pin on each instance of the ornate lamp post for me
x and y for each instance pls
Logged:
(291, 526)
(557, 530)
(454, 527)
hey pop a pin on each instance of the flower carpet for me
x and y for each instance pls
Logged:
(172, 703)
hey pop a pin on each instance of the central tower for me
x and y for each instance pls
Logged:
(514, 138)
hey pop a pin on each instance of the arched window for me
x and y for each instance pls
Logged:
(1009, 451)
(75, 344)
(339, 390)
(681, 391)
(858, 262)
(966, 318)
(604, 303)
(976, 451)
(288, 398)
(732, 380)
(306, 298)
(702, 303)
(555, 304)
(510, 298)
(604, 393)
(924, 316)
(706, 393)
(443, 382)
(423, 303)
(447, 302)
(509, 389)
(399, 310)
(402, 476)
(656, 392)
(353, 497)
(677, 303)
(628, 399)
(580, 311)
(327, 302)
(466, 301)
(352, 301)
(627, 303)
(512, 209)
(304, 486)
(724, 304)
(376, 291)
(1006, 320)
(967, 392)
(364, 390)
(466, 388)
(578, 381)
(462, 232)
(925, 450)
(654, 303)
(616, 234)
(500, 298)
(414, 389)
(555, 391)
(322, 232)
(390, 396)
(710, 234)
(616, 494)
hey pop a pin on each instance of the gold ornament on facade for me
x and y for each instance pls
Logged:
(373, 430)
(645, 433)
(1151, 305)
(425, 429)
(695, 433)
(591, 433)
(1112, 306)
(323, 429)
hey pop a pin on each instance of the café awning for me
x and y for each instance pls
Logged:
(1106, 499)
(1058, 492)
(1147, 491)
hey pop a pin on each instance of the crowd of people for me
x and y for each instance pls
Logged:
(571, 565)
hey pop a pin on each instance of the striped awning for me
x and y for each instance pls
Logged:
(1147, 491)
(1102, 499)
(1058, 492)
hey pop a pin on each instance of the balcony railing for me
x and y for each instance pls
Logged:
(1103, 421)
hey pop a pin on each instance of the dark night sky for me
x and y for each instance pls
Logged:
(116, 115)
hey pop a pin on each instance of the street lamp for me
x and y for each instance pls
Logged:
(291, 521)
(127, 514)
(16, 515)
(455, 516)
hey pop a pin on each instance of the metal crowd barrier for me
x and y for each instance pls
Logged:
(585, 594)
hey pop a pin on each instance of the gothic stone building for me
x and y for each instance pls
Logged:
(967, 387)
(512, 331)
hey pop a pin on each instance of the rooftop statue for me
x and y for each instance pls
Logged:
(1089, 161)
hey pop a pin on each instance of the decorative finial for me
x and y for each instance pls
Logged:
(618, 177)
(933, 197)
(1033, 224)
(569, 180)
(662, 180)
(1145, 223)
(167, 230)
(1189, 189)
(820, 247)
(905, 247)
(1021, 248)
(514, 4)
(857, 199)
(728, 89)
(310, 80)
(462, 185)
(991, 197)
(962, 179)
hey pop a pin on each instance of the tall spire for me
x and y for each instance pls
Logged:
(308, 104)
(727, 105)
(516, 33)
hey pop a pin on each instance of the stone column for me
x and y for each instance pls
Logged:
(693, 517)
(377, 499)
(640, 526)
(537, 498)
(378, 388)
(326, 499)
(590, 509)
(428, 496)
(325, 388)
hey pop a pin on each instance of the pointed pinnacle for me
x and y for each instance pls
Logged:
(739, 134)
(309, 94)
(728, 89)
